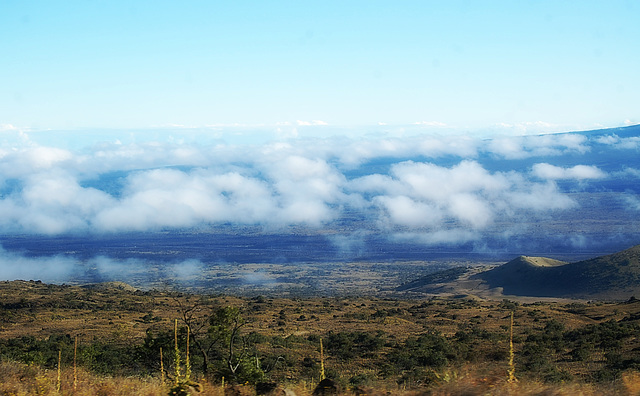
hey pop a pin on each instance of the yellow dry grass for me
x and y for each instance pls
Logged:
(25, 380)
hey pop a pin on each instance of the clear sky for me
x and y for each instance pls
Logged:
(466, 64)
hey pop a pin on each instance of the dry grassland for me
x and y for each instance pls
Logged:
(117, 315)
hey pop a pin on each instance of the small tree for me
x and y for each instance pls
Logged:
(239, 355)
(195, 316)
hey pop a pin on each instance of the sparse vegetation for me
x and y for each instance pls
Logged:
(437, 345)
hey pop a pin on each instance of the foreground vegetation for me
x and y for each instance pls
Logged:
(109, 340)
(19, 379)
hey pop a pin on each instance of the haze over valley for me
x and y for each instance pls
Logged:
(176, 204)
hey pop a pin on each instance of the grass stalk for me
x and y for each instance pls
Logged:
(177, 357)
(322, 376)
(187, 361)
(161, 368)
(512, 367)
(75, 364)
(59, 371)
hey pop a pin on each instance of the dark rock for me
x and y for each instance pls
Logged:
(326, 387)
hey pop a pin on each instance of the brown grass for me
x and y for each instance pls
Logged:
(25, 380)
(116, 316)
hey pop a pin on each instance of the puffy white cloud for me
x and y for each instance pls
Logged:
(52, 203)
(177, 183)
(22, 162)
(542, 145)
(172, 198)
(305, 188)
(435, 147)
(471, 209)
(608, 139)
(291, 190)
(628, 143)
(357, 152)
(578, 172)
(405, 211)
(439, 183)
(508, 148)
(436, 198)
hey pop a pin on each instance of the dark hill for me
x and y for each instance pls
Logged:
(432, 281)
(616, 276)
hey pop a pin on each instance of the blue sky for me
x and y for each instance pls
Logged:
(465, 65)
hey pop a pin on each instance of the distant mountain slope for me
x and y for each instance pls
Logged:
(616, 276)
(433, 281)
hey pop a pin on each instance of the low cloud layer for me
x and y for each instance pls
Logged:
(64, 268)
(430, 189)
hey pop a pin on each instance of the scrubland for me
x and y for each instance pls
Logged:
(107, 341)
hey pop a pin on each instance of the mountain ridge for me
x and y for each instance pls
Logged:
(610, 277)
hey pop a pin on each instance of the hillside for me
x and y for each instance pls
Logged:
(611, 277)
(384, 344)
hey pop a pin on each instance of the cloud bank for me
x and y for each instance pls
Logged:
(427, 188)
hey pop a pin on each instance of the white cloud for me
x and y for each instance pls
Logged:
(533, 146)
(632, 172)
(439, 184)
(578, 172)
(356, 152)
(405, 211)
(178, 183)
(61, 269)
(628, 143)
(539, 197)
(471, 209)
(428, 196)
(187, 270)
(52, 203)
(172, 198)
(22, 162)
(47, 269)
(292, 190)
(608, 139)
